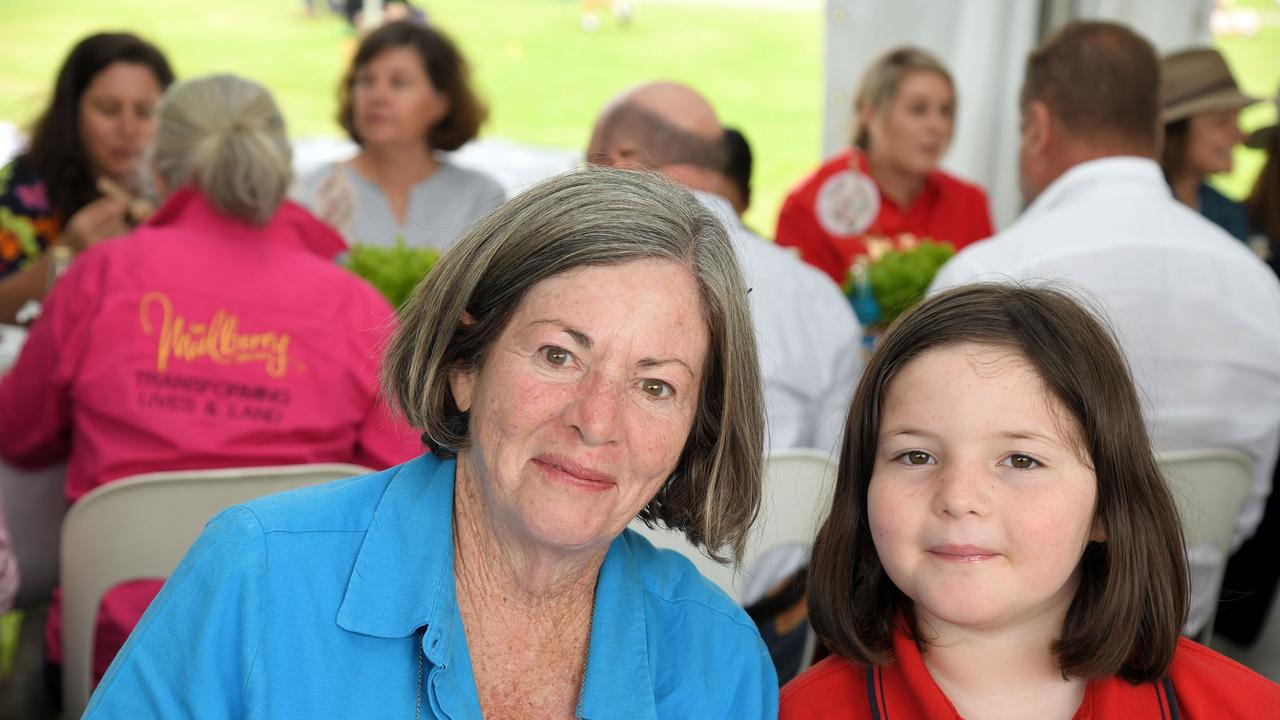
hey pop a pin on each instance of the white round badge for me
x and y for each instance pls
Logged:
(848, 202)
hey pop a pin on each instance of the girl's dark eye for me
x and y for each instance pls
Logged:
(1023, 462)
(915, 457)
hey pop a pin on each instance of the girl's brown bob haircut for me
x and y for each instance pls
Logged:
(597, 217)
(445, 68)
(1132, 600)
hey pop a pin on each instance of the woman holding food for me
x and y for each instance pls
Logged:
(211, 336)
(73, 184)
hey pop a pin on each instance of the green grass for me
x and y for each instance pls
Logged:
(545, 79)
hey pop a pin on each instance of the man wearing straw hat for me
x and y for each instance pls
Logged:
(1201, 116)
(1197, 314)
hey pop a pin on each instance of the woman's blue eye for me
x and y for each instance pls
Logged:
(557, 356)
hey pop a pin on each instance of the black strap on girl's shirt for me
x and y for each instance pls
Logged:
(1166, 699)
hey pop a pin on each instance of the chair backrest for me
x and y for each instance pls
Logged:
(1210, 488)
(140, 527)
(796, 496)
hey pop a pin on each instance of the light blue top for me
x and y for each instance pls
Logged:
(308, 604)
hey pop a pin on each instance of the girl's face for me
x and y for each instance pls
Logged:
(394, 100)
(980, 503)
(1211, 137)
(913, 129)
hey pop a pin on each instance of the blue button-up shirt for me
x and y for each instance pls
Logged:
(310, 604)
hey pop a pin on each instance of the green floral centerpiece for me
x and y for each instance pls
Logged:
(893, 279)
(395, 271)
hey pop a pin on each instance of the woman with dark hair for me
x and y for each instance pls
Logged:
(1001, 542)
(1201, 116)
(216, 334)
(405, 97)
(97, 127)
(886, 190)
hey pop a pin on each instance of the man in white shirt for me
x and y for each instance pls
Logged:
(808, 337)
(1196, 313)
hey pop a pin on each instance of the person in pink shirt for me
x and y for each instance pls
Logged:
(218, 334)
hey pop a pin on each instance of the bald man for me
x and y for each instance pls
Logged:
(809, 339)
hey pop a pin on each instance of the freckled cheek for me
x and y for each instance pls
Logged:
(887, 513)
(655, 441)
(1044, 532)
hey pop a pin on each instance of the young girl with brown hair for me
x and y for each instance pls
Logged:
(1001, 542)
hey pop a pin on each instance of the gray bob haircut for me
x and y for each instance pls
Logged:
(597, 217)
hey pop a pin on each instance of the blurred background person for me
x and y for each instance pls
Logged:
(98, 124)
(1201, 115)
(406, 96)
(589, 18)
(887, 187)
(1263, 203)
(806, 333)
(211, 336)
(1253, 574)
(737, 173)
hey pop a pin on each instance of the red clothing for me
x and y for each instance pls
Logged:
(1200, 684)
(838, 214)
(200, 341)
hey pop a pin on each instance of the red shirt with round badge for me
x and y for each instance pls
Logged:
(839, 214)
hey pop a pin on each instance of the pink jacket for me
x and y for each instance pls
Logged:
(200, 341)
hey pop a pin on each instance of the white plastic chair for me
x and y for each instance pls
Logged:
(1210, 488)
(796, 496)
(140, 527)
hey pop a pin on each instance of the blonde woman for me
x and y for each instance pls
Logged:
(886, 189)
(212, 336)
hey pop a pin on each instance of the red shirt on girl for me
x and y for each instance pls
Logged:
(1200, 684)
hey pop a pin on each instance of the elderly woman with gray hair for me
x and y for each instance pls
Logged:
(218, 334)
(581, 357)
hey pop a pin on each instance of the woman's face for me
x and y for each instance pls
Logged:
(584, 403)
(980, 505)
(913, 129)
(1210, 139)
(117, 119)
(394, 102)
